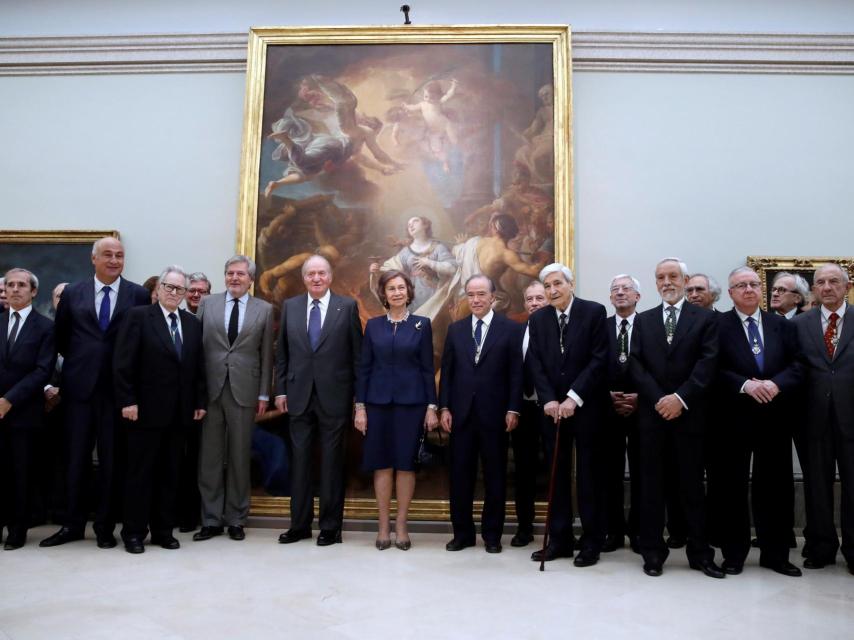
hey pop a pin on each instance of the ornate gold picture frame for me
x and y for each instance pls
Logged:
(350, 133)
(53, 256)
(769, 266)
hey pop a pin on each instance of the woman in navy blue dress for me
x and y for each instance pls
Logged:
(395, 401)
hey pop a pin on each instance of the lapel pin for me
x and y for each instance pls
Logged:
(418, 326)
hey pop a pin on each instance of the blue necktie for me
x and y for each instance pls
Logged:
(314, 324)
(104, 311)
(478, 333)
(756, 345)
(176, 335)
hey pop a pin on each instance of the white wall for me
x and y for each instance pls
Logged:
(709, 167)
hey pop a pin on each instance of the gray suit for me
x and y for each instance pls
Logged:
(237, 375)
(830, 432)
(319, 387)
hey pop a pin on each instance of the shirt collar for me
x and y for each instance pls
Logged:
(487, 319)
(678, 305)
(23, 312)
(630, 319)
(166, 312)
(566, 311)
(243, 299)
(100, 285)
(324, 301)
(756, 315)
(825, 312)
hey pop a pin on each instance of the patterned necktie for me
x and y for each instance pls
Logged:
(104, 311)
(314, 324)
(232, 321)
(176, 335)
(623, 341)
(830, 335)
(756, 345)
(670, 323)
(14, 333)
(561, 323)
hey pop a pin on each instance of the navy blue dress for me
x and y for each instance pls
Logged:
(396, 382)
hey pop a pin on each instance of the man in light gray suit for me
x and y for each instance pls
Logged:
(826, 337)
(317, 356)
(238, 343)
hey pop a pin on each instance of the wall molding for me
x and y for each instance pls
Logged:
(656, 52)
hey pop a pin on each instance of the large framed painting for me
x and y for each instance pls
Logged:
(53, 256)
(442, 151)
(769, 266)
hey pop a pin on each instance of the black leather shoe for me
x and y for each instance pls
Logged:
(708, 567)
(653, 569)
(586, 558)
(634, 544)
(328, 536)
(553, 552)
(522, 539)
(134, 545)
(492, 547)
(236, 532)
(15, 541)
(676, 542)
(785, 568)
(106, 540)
(65, 534)
(732, 568)
(613, 542)
(851, 568)
(206, 533)
(294, 535)
(812, 563)
(458, 544)
(166, 542)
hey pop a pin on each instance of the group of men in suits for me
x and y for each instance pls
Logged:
(667, 386)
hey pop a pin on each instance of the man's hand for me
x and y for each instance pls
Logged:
(131, 412)
(5, 405)
(669, 407)
(763, 391)
(446, 419)
(431, 420)
(628, 404)
(282, 403)
(199, 414)
(262, 408)
(361, 421)
(567, 408)
(552, 410)
(511, 420)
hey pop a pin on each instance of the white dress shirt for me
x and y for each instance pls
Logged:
(324, 307)
(630, 323)
(825, 318)
(487, 320)
(757, 316)
(177, 313)
(678, 307)
(241, 310)
(23, 313)
(99, 295)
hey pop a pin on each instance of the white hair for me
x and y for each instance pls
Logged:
(34, 281)
(621, 276)
(174, 268)
(714, 286)
(556, 266)
(682, 266)
(828, 265)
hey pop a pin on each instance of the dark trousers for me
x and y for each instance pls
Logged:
(14, 456)
(153, 458)
(799, 437)
(663, 443)
(189, 498)
(824, 454)
(589, 484)
(330, 430)
(772, 495)
(48, 469)
(525, 439)
(620, 439)
(469, 441)
(88, 423)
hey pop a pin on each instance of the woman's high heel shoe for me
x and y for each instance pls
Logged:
(403, 545)
(382, 545)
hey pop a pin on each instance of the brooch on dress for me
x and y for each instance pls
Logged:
(418, 326)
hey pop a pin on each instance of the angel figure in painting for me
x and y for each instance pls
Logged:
(537, 153)
(440, 133)
(424, 259)
(339, 134)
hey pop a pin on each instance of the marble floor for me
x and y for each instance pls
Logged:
(260, 589)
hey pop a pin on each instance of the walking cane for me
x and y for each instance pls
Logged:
(551, 495)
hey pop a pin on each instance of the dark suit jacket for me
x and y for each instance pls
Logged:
(618, 372)
(737, 364)
(582, 367)
(493, 386)
(397, 367)
(88, 351)
(148, 372)
(829, 382)
(26, 369)
(331, 370)
(687, 366)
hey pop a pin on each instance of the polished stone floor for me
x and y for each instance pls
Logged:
(260, 589)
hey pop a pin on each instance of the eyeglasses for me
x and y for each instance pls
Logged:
(197, 292)
(741, 286)
(782, 290)
(174, 288)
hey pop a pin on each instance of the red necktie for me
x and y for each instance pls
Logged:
(829, 335)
